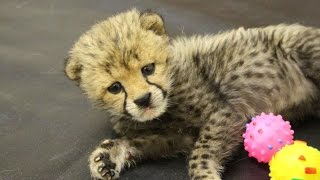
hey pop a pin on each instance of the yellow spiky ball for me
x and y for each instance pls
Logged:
(296, 162)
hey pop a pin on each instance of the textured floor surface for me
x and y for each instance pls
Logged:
(47, 127)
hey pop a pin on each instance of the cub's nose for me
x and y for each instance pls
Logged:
(143, 101)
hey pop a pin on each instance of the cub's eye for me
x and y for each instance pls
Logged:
(115, 88)
(148, 69)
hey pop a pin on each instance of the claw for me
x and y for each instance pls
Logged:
(104, 173)
(101, 168)
(106, 141)
(98, 158)
(107, 145)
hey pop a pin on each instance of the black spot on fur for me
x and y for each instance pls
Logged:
(248, 74)
(191, 97)
(191, 175)
(214, 110)
(108, 67)
(196, 59)
(271, 61)
(258, 75)
(227, 114)
(274, 54)
(204, 163)
(194, 157)
(193, 166)
(237, 65)
(177, 84)
(260, 89)
(100, 44)
(207, 137)
(190, 108)
(204, 167)
(197, 112)
(265, 49)
(78, 70)
(207, 128)
(213, 122)
(258, 64)
(205, 146)
(234, 77)
(203, 106)
(203, 141)
(204, 74)
(220, 96)
(205, 156)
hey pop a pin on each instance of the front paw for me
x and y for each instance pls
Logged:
(107, 160)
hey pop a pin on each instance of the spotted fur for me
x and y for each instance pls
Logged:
(203, 89)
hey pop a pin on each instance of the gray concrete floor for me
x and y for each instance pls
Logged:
(47, 127)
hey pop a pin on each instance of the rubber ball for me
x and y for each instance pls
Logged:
(296, 162)
(265, 135)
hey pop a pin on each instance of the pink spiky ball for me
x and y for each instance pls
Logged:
(265, 135)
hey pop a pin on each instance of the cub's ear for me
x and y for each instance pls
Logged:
(72, 68)
(152, 21)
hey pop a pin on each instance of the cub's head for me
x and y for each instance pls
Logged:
(121, 64)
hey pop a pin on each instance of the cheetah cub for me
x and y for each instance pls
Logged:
(190, 95)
